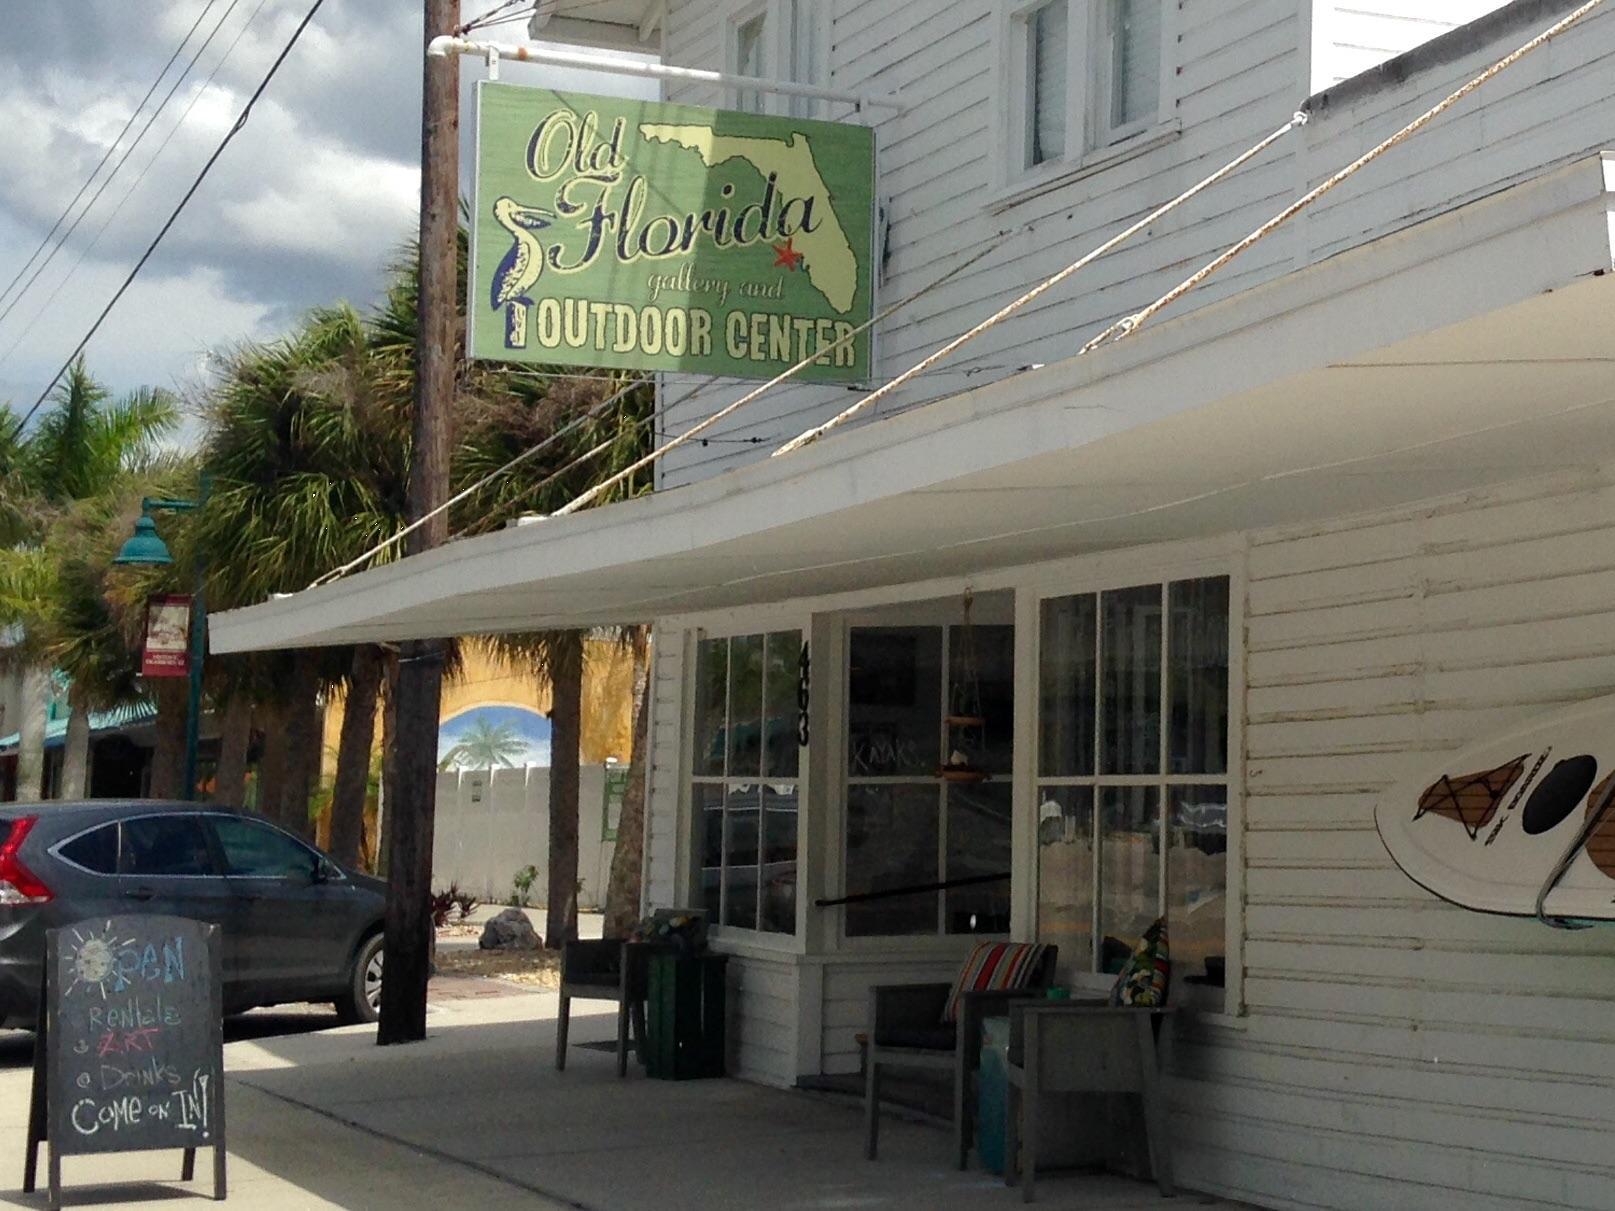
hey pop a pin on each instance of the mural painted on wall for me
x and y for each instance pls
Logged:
(1522, 823)
(494, 737)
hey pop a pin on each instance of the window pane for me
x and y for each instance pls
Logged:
(165, 845)
(891, 843)
(706, 800)
(750, 60)
(784, 661)
(253, 849)
(1197, 655)
(981, 670)
(1066, 687)
(1065, 873)
(1197, 880)
(978, 844)
(96, 850)
(1046, 35)
(895, 701)
(740, 814)
(1129, 869)
(711, 692)
(1130, 656)
(745, 730)
(779, 858)
(1136, 66)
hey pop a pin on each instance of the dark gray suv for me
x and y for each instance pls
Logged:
(296, 926)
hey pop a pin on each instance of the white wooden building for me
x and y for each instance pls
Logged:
(1349, 505)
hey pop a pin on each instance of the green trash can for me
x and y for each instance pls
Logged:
(992, 1093)
(686, 1007)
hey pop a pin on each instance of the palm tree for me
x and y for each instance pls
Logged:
(79, 454)
(486, 745)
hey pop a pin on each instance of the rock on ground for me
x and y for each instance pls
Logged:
(510, 930)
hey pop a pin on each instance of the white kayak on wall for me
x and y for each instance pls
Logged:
(1491, 827)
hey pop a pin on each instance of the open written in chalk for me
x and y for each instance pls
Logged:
(130, 1055)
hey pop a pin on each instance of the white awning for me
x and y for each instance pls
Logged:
(1468, 350)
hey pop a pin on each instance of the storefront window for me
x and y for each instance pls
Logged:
(744, 767)
(907, 826)
(1133, 773)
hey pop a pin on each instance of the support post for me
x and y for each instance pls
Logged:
(407, 963)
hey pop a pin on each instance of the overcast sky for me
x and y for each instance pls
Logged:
(307, 205)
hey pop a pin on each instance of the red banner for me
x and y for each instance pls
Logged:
(168, 637)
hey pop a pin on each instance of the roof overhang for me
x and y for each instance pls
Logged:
(1469, 349)
(631, 25)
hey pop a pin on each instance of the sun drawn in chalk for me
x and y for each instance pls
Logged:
(94, 963)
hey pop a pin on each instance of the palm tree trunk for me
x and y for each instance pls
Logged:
(272, 765)
(353, 756)
(628, 857)
(31, 742)
(389, 761)
(566, 716)
(235, 738)
(76, 754)
(302, 745)
(168, 757)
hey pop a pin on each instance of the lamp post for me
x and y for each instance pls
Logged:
(145, 548)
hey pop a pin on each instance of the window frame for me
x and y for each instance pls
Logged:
(763, 11)
(689, 779)
(1030, 783)
(1090, 146)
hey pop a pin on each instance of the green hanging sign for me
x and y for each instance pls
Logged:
(634, 235)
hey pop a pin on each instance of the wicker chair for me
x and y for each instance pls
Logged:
(906, 1030)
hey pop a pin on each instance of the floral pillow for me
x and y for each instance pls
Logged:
(1144, 979)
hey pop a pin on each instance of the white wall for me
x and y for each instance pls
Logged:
(1398, 1051)
(490, 824)
(1351, 36)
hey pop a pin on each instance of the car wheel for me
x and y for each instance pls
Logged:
(362, 1001)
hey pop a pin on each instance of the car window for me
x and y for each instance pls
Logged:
(255, 849)
(96, 850)
(165, 845)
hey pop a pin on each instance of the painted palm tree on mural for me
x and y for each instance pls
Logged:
(485, 745)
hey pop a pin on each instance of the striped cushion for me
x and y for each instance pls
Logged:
(992, 966)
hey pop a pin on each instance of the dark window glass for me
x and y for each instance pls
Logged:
(784, 663)
(711, 696)
(165, 845)
(707, 799)
(892, 834)
(981, 675)
(779, 858)
(256, 850)
(1197, 676)
(895, 702)
(96, 850)
(978, 846)
(745, 730)
(1130, 656)
(1066, 687)
(740, 847)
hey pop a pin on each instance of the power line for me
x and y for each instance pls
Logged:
(107, 154)
(241, 121)
(123, 159)
(100, 231)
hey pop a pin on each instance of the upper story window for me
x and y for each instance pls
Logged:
(1086, 77)
(751, 58)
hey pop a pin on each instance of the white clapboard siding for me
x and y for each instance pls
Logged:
(662, 811)
(1240, 70)
(1351, 36)
(762, 1018)
(1400, 1052)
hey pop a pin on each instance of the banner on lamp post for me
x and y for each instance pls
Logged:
(167, 651)
(645, 236)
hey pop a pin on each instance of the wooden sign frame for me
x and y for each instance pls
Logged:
(46, 1110)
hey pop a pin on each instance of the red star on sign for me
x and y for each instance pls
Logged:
(787, 256)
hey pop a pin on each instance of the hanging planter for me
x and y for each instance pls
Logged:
(966, 725)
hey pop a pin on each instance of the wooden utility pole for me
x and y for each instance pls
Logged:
(407, 963)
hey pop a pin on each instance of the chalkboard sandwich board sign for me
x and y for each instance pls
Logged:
(130, 1052)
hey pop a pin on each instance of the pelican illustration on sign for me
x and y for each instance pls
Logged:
(519, 271)
(1522, 823)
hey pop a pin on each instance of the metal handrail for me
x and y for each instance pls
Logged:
(914, 890)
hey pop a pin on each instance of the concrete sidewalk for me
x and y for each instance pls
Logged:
(478, 1117)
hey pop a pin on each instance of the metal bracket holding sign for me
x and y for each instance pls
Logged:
(129, 1055)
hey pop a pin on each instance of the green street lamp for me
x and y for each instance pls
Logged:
(146, 548)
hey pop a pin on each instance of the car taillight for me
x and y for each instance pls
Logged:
(18, 884)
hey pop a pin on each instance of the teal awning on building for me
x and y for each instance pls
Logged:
(100, 721)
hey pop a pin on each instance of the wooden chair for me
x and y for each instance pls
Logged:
(906, 1030)
(1059, 1047)
(614, 970)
